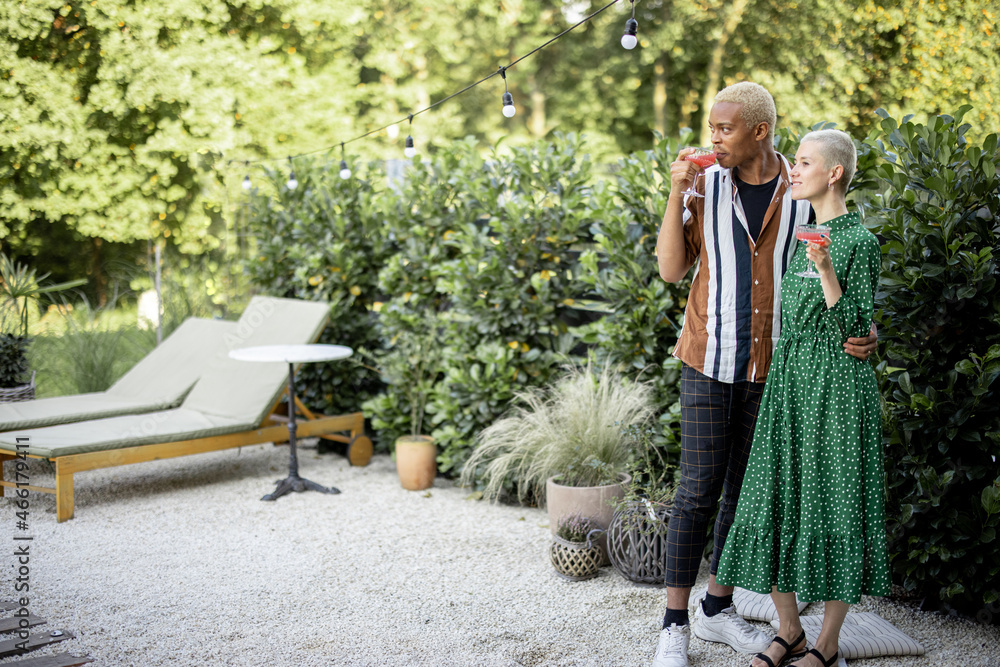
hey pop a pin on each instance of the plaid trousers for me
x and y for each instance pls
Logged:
(717, 424)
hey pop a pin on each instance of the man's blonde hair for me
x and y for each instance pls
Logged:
(836, 147)
(758, 105)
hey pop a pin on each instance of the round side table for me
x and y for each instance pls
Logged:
(291, 355)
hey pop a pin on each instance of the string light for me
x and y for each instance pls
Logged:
(345, 172)
(247, 185)
(508, 100)
(629, 40)
(292, 181)
(409, 151)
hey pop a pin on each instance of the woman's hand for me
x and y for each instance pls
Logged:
(820, 256)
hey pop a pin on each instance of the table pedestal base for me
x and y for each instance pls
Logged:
(297, 484)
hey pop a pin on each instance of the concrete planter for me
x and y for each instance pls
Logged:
(595, 502)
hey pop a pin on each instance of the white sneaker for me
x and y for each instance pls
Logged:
(728, 627)
(672, 650)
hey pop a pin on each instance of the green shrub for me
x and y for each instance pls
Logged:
(512, 286)
(645, 314)
(478, 387)
(426, 207)
(323, 241)
(938, 313)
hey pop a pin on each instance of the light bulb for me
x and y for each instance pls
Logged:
(508, 105)
(246, 183)
(409, 151)
(629, 39)
(392, 131)
(345, 172)
(292, 182)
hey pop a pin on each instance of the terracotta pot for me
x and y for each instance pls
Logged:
(416, 461)
(595, 502)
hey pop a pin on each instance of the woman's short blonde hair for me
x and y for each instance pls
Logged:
(758, 105)
(836, 147)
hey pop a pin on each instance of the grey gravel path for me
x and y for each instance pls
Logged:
(179, 563)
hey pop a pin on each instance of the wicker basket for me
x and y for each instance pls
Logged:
(575, 561)
(637, 544)
(25, 392)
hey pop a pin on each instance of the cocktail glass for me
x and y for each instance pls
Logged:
(812, 233)
(703, 157)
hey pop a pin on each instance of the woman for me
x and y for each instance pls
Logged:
(811, 514)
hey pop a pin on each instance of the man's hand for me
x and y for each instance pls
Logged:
(862, 347)
(683, 172)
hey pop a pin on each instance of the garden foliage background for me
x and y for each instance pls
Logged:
(504, 260)
(127, 125)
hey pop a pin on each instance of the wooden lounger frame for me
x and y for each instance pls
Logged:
(359, 450)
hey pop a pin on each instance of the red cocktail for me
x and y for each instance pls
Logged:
(813, 233)
(811, 236)
(704, 158)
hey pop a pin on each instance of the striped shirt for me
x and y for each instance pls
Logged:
(733, 316)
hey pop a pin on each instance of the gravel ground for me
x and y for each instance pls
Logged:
(179, 563)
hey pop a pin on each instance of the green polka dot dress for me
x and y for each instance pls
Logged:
(811, 514)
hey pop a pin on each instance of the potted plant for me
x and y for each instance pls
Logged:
(15, 384)
(573, 552)
(637, 534)
(19, 288)
(564, 446)
(410, 365)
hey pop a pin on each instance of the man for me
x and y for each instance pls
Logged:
(741, 235)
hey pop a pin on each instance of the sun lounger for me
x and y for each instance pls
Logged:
(229, 406)
(159, 381)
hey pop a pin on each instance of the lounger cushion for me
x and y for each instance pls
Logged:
(98, 435)
(230, 397)
(246, 391)
(67, 409)
(171, 369)
(159, 381)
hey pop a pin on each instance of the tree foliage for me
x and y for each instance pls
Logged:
(117, 116)
(128, 121)
(322, 241)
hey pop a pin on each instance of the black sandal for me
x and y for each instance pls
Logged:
(826, 663)
(788, 651)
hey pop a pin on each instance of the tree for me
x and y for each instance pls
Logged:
(116, 116)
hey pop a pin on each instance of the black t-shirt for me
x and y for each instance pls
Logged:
(756, 199)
